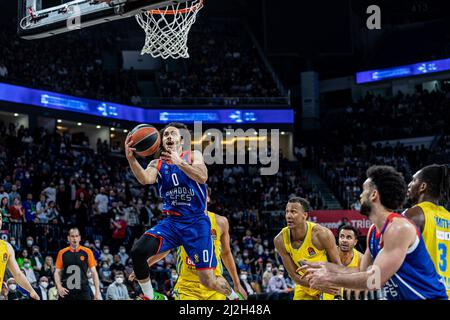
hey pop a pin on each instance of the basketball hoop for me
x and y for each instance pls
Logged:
(167, 29)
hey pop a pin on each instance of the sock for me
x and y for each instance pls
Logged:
(233, 295)
(147, 289)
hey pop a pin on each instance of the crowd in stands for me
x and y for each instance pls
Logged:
(224, 63)
(49, 183)
(70, 64)
(355, 136)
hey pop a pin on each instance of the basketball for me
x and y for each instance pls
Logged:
(146, 140)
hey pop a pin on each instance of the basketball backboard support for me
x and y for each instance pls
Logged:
(44, 18)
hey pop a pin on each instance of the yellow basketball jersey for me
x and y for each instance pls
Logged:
(355, 261)
(436, 234)
(4, 257)
(353, 264)
(307, 252)
(188, 279)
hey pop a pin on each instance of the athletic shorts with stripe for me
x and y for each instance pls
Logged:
(194, 235)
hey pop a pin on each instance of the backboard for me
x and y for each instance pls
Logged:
(44, 18)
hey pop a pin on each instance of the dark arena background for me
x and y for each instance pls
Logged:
(343, 94)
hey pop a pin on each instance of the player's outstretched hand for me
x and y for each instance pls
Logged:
(171, 157)
(306, 267)
(129, 151)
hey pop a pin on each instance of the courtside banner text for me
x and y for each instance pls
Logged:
(332, 219)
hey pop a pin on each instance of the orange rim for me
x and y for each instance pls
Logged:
(195, 7)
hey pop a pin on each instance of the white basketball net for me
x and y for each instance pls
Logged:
(167, 29)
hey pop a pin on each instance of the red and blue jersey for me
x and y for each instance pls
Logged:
(182, 196)
(416, 279)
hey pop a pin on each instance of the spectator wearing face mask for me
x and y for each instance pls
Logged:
(244, 279)
(29, 273)
(267, 275)
(106, 256)
(36, 259)
(42, 289)
(123, 255)
(14, 244)
(97, 250)
(117, 290)
(105, 273)
(21, 258)
(30, 242)
(13, 292)
(277, 284)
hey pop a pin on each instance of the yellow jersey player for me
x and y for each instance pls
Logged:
(8, 260)
(303, 240)
(430, 185)
(347, 241)
(188, 286)
(350, 257)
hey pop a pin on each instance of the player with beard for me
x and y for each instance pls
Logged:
(350, 257)
(347, 241)
(428, 187)
(181, 179)
(396, 258)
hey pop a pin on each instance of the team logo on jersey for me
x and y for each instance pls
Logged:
(311, 252)
(214, 234)
(82, 258)
(5, 257)
(189, 262)
(196, 258)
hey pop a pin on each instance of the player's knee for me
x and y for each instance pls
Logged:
(144, 248)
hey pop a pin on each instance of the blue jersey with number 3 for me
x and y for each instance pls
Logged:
(182, 196)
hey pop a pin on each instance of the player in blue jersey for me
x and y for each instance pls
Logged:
(396, 258)
(181, 179)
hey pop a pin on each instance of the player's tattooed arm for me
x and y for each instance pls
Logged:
(197, 171)
(151, 173)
